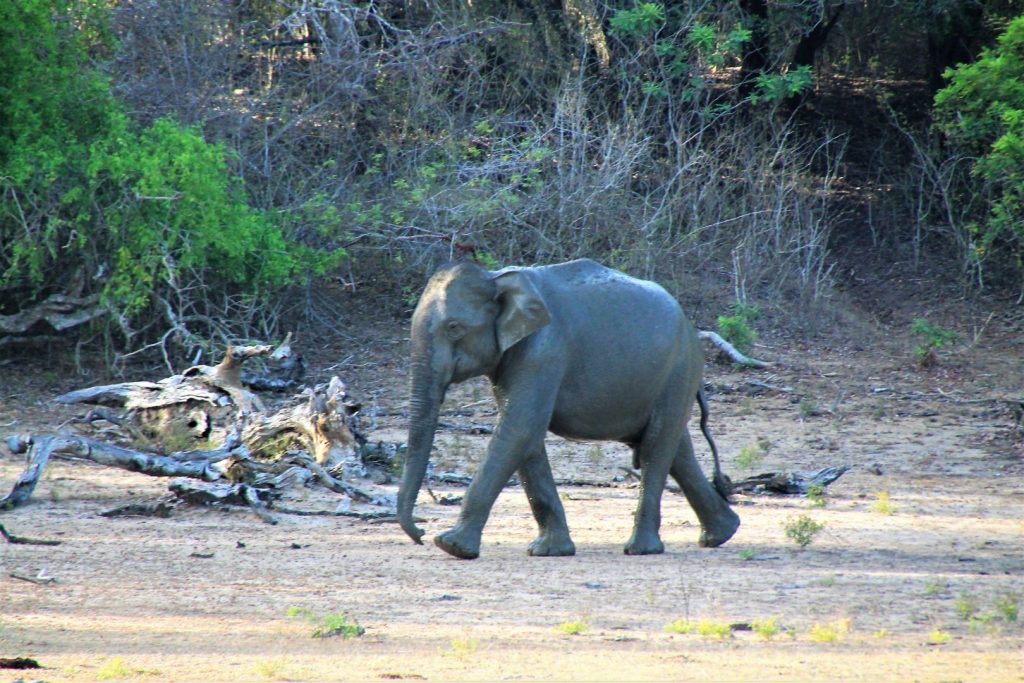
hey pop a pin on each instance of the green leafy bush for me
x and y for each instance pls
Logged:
(737, 329)
(981, 112)
(643, 19)
(140, 211)
(327, 625)
(932, 338)
(774, 88)
(802, 530)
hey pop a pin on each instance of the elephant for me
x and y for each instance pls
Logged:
(578, 349)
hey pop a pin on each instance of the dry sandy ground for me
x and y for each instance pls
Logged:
(206, 594)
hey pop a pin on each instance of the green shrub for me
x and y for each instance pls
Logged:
(801, 530)
(327, 625)
(708, 628)
(749, 456)
(966, 605)
(574, 627)
(883, 505)
(1008, 605)
(464, 648)
(774, 88)
(766, 628)
(140, 212)
(643, 19)
(830, 633)
(681, 626)
(737, 329)
(981, 112)
(930, 339)
(816, 495)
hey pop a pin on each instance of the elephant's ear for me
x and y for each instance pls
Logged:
(523, 310)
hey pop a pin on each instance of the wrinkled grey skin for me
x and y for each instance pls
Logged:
(577, 349)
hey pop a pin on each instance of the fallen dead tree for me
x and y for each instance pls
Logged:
(731, 351)
(220, 441)
(790, 483)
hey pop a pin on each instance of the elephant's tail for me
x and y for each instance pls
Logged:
(722, 482)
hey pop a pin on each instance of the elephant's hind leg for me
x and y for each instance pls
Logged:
(539, 485)
(717, 520)
(654, 453)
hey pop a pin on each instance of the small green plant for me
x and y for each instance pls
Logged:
(934, 587)
(737, 329)
(966, 605)
(327, 625)
(749, 456)
(882, 505)
(575, 627)
(829, 633)
(766, 628)
(802, 530)
(1008, 605)
(682, 626)
(808, 408)
(938, 637)
(115, 668)
(774, 88)
(984, 623)
(881, 634)
(816, 495)
(717, 630)
(641, 20)
(827, 581)
(464, 648)
(747, 554)
(271, 668)
(930, 339)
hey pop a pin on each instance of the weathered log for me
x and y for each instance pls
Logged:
(11, 538)
(312, 438)
(200, 465)
(320, 423)
(59, 312)
(284, 370)
(225, 494)
(162, 507)
(790, 483)
(731, 351)
(39, 452)
(38, 580)
(227, 376)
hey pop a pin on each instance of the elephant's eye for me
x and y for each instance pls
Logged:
(454, 330)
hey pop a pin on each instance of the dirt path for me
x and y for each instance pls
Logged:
(206, 595)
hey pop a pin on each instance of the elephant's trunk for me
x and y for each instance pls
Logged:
(425, 403)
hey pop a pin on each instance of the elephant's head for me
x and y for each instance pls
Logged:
(466, 319)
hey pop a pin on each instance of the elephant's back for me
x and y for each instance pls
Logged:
(596, 296)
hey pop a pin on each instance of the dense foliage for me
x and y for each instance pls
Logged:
(193, 162)
(90, 199)
(981, 112)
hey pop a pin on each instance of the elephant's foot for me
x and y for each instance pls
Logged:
(458, 544)
(721, 530)
(644, 544)
(552, 545)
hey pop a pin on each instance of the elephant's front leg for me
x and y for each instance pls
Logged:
(525, 415)
(539, 484)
